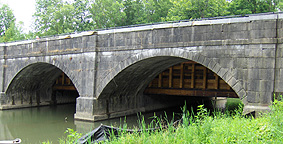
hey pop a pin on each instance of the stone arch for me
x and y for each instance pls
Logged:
(32, 80)
(181, 53)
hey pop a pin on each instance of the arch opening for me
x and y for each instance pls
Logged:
(40, 84)
(163, 82)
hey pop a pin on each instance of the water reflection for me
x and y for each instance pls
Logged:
(35, 125)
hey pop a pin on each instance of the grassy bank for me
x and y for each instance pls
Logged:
(216, 129)
(202, 127)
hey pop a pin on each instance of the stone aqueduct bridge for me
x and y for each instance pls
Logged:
(111, 68)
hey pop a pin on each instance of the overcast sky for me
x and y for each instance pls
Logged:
(23, 11)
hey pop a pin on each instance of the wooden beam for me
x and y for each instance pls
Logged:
(59, 87)
(193, 76)
(181, 75)
(189, 92)
(204, 83)
(189, 62)
(160, 80)
(68, 80)
(63, 78)
(150, 84)
(170, 77)
(216, 81)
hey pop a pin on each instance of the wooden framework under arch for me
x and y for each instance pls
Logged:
(189, 79)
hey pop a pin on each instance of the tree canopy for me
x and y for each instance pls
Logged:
(54, 17)
(240, 7)
(9, 30)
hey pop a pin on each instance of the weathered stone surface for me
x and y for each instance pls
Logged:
(111, 68)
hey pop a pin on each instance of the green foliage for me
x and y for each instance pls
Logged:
(82, 16)
(192, 9)
(72, 137)
(54, 17)
(48, 142)
(9, 30)
(6, 18)
(203, 128)
(241, 7)
(107, 13)
(234, 105)
(13, 33)
(219, 128)
(145, 11)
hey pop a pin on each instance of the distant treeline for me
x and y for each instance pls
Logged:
(54, 17)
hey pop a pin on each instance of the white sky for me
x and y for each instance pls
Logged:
(23, 11)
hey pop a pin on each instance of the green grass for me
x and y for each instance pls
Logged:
(216, 128)
(203, 127)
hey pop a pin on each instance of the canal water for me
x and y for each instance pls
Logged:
(49, 123)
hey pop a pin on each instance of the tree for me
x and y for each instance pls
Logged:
(155, 10)
(9, 31)
(55, 17)
(82, 15)
(241, 7)
(280, 5)
(191, 9)
(13, 33)
(6, 19)
(107, 13)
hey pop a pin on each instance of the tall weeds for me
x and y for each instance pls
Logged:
(216, 128)
(203, 127)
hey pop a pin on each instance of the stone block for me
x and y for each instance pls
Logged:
(253, 97)
(222, 72)
(231, 82)
(253, 74)
(241, 63)
(237, 86)
(267, 33)
(241, 74)
(266, 85)
(278, 86)
(253, 52)
(267, 74)
(262, 63)
(266, 63)
(242, 94)
(227, 76)
(200, 59)
(253, 85)
(268, 52)
(206, 61)
(214, 68)
(279, 63)
(265, 97)
(227, 62)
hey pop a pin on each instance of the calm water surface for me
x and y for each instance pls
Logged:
(35, 125)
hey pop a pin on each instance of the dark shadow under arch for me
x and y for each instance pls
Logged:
(34, 85)
(126, 90)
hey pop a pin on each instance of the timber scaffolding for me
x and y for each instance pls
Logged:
(189, 79)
